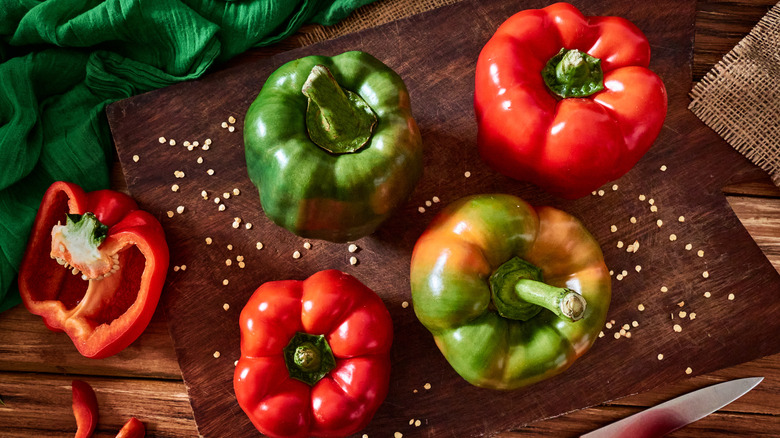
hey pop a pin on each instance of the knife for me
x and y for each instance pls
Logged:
(677, 412)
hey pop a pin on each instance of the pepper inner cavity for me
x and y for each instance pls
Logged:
(76, 246)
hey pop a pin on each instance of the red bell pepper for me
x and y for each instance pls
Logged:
(314, 356)
(132, 429)
(566, 101)
(94, 267)
(85, 408)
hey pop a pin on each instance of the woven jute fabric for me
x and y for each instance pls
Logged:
(740, 97)
(373, 14)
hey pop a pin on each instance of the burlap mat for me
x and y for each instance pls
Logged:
(740, 97)
(373, 14)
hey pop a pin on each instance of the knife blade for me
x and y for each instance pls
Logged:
(677, 412)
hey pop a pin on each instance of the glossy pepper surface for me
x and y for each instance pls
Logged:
(314, 356)
(332, 146)
(512, 294)
(566, 101)
(94, 267)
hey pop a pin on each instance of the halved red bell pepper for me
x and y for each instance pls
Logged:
(566, 101)
(94, 267)
(314, 356)
(85, 408)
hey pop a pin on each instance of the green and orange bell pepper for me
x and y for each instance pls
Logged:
(566, 101)
(512, 294)
(94, 267)
(314, 356)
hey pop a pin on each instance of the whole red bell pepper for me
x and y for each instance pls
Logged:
(94, 267)
(314, 356)
(566, 101)
(85, 408)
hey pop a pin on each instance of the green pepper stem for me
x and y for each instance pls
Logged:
(337, 120)
(572, 73)
(561, 301)
(308, 358)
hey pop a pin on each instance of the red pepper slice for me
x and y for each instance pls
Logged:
(94, 267)
(566, 101)
(314, 356)
(85, 408)
(132, 429)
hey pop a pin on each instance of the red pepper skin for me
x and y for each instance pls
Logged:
(569, 146)
(85, 408)
(101, 317)
(357, 327)
(132, 429)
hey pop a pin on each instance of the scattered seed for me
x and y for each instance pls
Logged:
(221, 207)
(651, 201)
(217, 200)
(231, 119)
(659, 222)
(176, 269)
(664, 289)
(435, 199)
(640, 307)
(601, 192)
(190, 148)
(700, 253)
(248, 225)
(663, 168)
(613, 228)
(593, 193)
(632, 220)
(235, 364)
(226, 306)
(614, 187)
(236, 224)
(226, 195)
(205, 147)
(209, 240)
(601, 334)
(707, 294)
(626, 327)
(672, 237)
(236, 192)
(136, 158)
(638, 268)
(200, 160)
(617, 335)
(427, 386)
(411, 422)
(692, 316)
(705, 274)
(681, 218)
(625, 273)
(296, 255)
(231, 128)
(175, 188)
(688, 247)
(210, 171)
(398, 435)
(634, 323)
(417, 423)
(239, 258)
(660, 356)
(216, 354)
(228, 262)
(619, 277)
(731, 297)
(225, 282)
(677, 328)
(183, 267)
(353, 261)
(161, 139)
(628, 335)
(620, 244)
(195, 143)
(259, 245)
(180, 209)
(608, 325)
(642, 197)
(688, 370)
(405, 304)
(682, 314)
(653, 208)
(186, 143)
(172, 142)
(178, 174)
(428, 203)
(611, 272)
(467, 174)
(241, 265)
(230, 247)
(207, 141)
(169, 213)
(224, 124)
(421, 209)
(681, 304)
(352, 247)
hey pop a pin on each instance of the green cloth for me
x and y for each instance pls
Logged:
(63, 61)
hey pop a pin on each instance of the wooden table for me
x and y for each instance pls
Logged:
(37, 366)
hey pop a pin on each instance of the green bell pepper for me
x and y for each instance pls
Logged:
(332, 146)
(512, 294)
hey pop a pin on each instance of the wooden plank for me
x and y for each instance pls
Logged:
(761, 218)
(40, 405)
(440, 77)
(27, 345)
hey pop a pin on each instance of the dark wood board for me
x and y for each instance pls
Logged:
(435, 53)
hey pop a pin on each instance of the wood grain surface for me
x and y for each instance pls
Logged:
(36, 357)
(439, 74)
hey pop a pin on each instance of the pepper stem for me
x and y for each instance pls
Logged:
(76, 246)
(520, 293)
(308, 358)
(572, 73)
(337, 120)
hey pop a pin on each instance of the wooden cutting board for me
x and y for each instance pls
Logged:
(436, 53)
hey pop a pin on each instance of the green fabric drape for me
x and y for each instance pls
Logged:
(63, 61)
